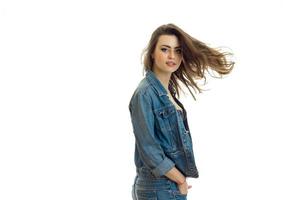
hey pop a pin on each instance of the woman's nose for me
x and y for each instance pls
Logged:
(171, 54)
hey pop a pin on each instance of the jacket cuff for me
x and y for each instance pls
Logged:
(163, 167)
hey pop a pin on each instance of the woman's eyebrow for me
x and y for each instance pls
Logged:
(169, 46)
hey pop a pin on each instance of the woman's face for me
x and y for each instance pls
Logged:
(167, 54)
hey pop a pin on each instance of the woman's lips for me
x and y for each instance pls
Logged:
(171, 63)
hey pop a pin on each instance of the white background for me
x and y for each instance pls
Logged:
(68, 70)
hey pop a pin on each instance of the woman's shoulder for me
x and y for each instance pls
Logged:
(144, 90)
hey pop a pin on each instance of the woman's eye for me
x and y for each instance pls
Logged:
(178, 51)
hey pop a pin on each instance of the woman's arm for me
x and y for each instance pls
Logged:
(175, 175)
(150, 150)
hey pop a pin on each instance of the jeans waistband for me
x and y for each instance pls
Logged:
(143, 172)
(146, 181)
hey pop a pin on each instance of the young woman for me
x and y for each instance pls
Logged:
(164, 155)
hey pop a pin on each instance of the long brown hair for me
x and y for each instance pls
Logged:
(197, 58)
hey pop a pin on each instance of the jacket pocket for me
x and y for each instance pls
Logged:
(164, 115)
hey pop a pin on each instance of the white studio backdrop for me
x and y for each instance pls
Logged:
(68, 70)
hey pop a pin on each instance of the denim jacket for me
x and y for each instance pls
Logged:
(162, 135)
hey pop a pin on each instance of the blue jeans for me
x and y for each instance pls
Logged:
(146, 187)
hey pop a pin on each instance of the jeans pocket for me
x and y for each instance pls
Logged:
(146, 195)
(177, 192)
(178, 195)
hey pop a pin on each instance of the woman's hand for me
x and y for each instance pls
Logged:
(175, 175)
(183, 188)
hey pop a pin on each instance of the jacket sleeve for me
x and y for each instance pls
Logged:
(150, 151)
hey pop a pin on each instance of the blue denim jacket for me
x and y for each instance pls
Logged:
(162, 135)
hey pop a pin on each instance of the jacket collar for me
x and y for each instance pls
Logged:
(153, 80)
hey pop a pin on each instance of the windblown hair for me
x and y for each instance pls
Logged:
(197, 57)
